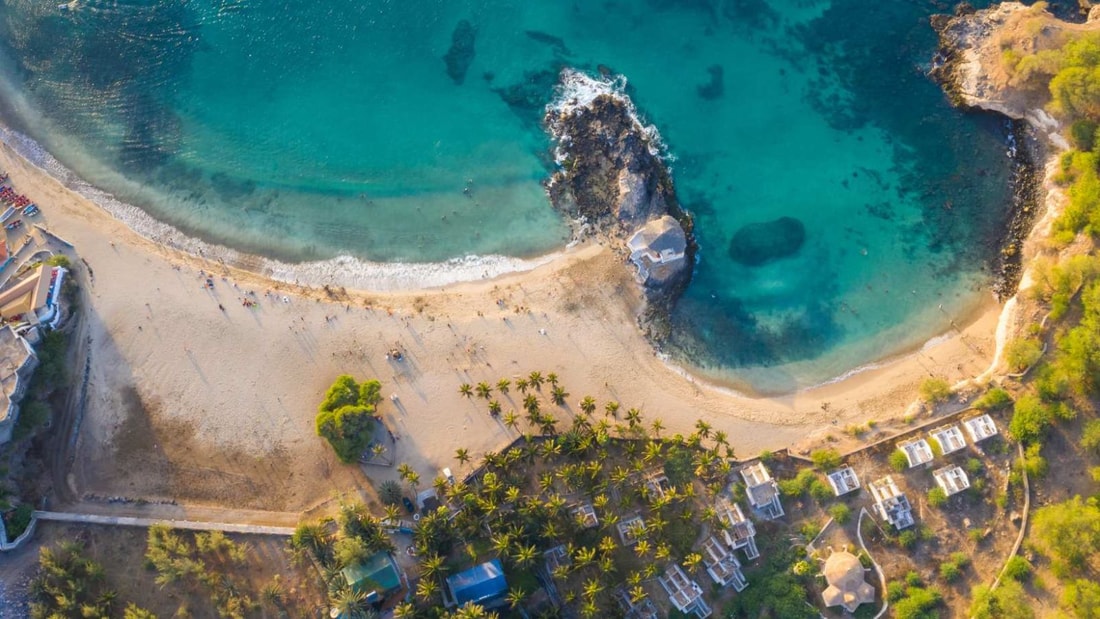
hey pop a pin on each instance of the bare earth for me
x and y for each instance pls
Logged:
(205, 406)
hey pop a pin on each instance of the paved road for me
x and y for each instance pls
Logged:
(194, 525)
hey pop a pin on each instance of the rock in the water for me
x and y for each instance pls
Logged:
(461, 54)
(756, 244)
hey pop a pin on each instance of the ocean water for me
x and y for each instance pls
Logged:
(408, 131)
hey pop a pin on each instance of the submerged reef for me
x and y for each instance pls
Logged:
(760, 243)
(612, 177)
(461, 54)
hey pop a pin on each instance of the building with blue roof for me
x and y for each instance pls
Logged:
(482, 584)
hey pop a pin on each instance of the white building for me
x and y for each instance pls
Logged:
(890, 504)
(950, 439)
(658, 246)
(917, 451)
(722, 566)
(737, 530)
(762, 491)
(685, 594)
(843, 481)
(952, 479)
(631, 530)
(980, 428)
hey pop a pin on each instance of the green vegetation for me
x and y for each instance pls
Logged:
(1007, 601)
(951, 569)
(1017, 568)
(69, 584)
(935, 390)
(346, 416)
(1030, 419)
(899, 461)
(993, 399)
(912, 600)
(1022, 353)
(1081, 598)
(777, 590)
(59, 260)
(840, 512)
(1069, 534)
(17, 521)
(826, 459)
(806, 481)
(937, 497)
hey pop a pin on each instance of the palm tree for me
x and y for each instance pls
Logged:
(634, 417)
(588, 405)
(494, 408)
(515, 596)
(510, 419)
(484, 390)
(462, 455)
(535, 379)
(637, 594)
(404, 470)
(503, 384)
(404, 610)
(466, 390)
(558, 394)
(703, 428)
(657, 427)
(392, 513)
(431, 566)
(642, 548)
(552, 378)
(352, 603)
(521, 384)
(692, 561)
(525, 555)
(611, 409)
(426, 588)
(662, 552)
(592, 588)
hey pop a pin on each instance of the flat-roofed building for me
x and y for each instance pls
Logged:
(890, 503)
(585, 515)
(952, 479)
(762, 491)
(685, 594)
(917, 451)
(722, 566)
(737, 530)
(631, 530)
(950, 439)
(843, 481)
(980, 428)
(635, 609)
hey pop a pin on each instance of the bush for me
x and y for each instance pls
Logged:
(974, 466)
(1030, 419)
(1008, 601)
(17, 520)
(907, 539)
(993, 399)
(1033, 462)
(841, 513)
(390, 492)
(826, 459)
(1022, 353)
(917, 603)
(1090, 437)
(950, 572)
(1082, 598)
(59, 260)
(1083, 134)
(1068, 533)
(895, 591)
(937, 497)
(899, 461)
(346, 416)
(1017, 568)
(935, 390)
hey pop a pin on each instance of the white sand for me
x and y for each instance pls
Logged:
(231, 395)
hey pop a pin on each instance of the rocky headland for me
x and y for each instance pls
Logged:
(973, 68)
(613, 180)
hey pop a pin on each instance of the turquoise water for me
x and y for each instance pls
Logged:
(310, 130)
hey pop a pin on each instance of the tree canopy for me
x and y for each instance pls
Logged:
(345, 417)
(1069, 533)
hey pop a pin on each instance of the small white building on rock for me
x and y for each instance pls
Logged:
(658, 249)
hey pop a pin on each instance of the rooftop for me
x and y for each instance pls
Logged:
(918, 451)
(631, 529)
(843, 480)
(950, 439)
(478, 584)
(847, 586)
(374, 577)
(890, 503)
(952, 479)
(27, 295)
(585, 514)
(15, 352)
(685, 594)
(980, 428)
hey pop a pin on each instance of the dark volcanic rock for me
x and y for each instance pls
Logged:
(756, 244)
(461, 54)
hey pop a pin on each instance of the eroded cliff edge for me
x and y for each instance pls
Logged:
(613, 179)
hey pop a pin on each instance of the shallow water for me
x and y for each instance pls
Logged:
(310, 130)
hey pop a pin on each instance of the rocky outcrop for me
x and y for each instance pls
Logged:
(612, 177)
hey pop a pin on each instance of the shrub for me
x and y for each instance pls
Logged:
(974, 466)
(1068, 533)
(59, 260)
(1082, 598)
(993, 399)
(1030, 419)
(949, 572)
(1083, 133)
(917, 603)
(935, 390)
(820, 490)
(899, 461)
(937, 497)
(895, 591)
(1033, 462)
(826, 459)
(841, 513)
(1008, 601)
(18, 520)
(1017, 568)
(346, 416)
(913, 579)
(390, 492)
(1022, 353)
(907, 539)
(1090, 436)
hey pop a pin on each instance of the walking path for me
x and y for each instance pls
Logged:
(194, 525)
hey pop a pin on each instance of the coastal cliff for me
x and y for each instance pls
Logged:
(974, 68)
(612, 178)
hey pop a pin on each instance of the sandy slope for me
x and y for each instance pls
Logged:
(214, 406)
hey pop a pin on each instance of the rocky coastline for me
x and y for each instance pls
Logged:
(969, 44)
(613, 181)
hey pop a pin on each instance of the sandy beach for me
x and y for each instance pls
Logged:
(210, 406)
